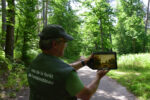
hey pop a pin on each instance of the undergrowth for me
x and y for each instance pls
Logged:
(12, 77)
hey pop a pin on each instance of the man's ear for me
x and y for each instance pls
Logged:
(54, 44)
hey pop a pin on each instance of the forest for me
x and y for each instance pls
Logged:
(96, 25)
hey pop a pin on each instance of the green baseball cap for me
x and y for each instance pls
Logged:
(54, 31)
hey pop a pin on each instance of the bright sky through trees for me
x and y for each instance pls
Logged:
(113, 4)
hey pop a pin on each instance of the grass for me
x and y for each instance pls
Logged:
(134, 73)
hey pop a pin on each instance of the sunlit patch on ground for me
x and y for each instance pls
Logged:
(114, 95)
(120, 73)
(137, 74)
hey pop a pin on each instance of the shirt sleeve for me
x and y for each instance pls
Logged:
(73, 84)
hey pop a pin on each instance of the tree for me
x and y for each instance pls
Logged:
(45, 8)
(98, 25)
(130, 26)
(27, 27)
(61, 13)
(3, 23)
(46, 12)
(105, 14)
(146, 24)
(9, 46)
(39, 15)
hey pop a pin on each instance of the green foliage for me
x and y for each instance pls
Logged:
(17, 77)
(27, 28)
(62, 14)
(2, 53)
(13, 78)
(97, 27)
(130, 27)
(133, 72)
(3, 63)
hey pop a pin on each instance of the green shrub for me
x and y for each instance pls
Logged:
(12, 76)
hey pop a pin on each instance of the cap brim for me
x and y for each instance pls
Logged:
(68, 37)
(63, 34)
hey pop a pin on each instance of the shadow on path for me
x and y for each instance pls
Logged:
(108, 89)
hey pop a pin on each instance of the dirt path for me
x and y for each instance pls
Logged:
(109, 89)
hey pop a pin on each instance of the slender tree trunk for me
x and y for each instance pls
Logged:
(17, 32)
(10, 29)
(2, 41)
(110, 40)
(25, 46)
(96, 46)
(46, 12)
(38, 17)
(3, 23)
(146, 23)
(101, 31)
(133, 45)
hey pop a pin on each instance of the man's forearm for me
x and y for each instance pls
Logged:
(94, 85)
(77, 65)
(89, 90)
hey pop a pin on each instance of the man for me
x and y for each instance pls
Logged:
(52, 79)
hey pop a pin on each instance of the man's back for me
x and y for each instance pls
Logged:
(47, 76)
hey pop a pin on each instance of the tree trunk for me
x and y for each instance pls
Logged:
(2, 39)
(45, 8)
(133, 45)
(101, 31)
(38, 17)
(17, 32)
(110, 41)
(146, 23)
(10, 29)
(25, 47)
(46, 12)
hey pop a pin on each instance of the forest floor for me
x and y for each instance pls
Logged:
(108, 89)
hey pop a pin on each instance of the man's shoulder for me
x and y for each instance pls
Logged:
(48, 59)
(64, 66)
(45, 58)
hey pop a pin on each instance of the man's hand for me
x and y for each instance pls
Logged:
(101, 73)
(88, 91)
(90, 61)
(86, 60)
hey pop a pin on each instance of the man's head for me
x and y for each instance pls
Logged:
(53, 39)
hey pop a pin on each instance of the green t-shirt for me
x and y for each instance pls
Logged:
(74, 84)
(51, 78)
